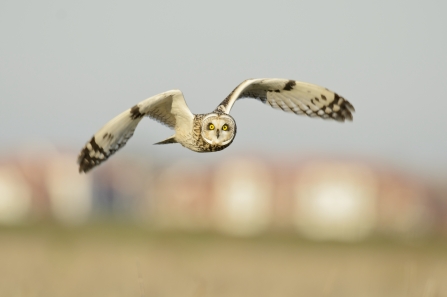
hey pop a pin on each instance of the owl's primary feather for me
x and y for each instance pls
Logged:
(292, 96)
(192, 132)
(168, 108)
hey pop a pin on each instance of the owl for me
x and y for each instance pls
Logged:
(216, 130)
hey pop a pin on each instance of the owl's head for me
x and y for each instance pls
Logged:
(218, 129)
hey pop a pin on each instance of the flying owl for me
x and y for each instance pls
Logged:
(216, 130)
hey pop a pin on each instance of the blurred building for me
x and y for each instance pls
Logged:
(242, 196)
(406, 206)
(69, 193)
(180, 196)
(320, 198)
(15, 196)
(335, 200)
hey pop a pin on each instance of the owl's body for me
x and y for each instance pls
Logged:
(193, 138)
(214, 131)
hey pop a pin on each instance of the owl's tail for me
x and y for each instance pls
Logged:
(168, 140)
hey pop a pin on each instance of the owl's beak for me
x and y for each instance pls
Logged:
(217, 132)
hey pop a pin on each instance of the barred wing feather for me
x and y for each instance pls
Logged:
(292, 96)
(168, 108)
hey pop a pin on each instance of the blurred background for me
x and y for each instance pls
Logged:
(294, 206)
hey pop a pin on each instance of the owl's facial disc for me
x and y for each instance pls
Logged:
(218, 129)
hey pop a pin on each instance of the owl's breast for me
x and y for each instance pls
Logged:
(201, 146)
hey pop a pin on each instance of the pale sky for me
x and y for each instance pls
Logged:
(67, 67)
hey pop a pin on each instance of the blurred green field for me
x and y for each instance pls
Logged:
(126, 260)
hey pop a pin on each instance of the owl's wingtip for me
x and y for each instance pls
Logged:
(84, 164)
(90, 156)
(349, 106)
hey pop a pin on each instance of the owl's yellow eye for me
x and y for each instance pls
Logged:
(211, 126)
(225, 127)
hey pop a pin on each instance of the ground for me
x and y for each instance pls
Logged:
(127, 260)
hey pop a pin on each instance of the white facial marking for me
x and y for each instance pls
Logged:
(218, 129)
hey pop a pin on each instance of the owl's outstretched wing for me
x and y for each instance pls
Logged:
(292, 96)
(168, 108)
